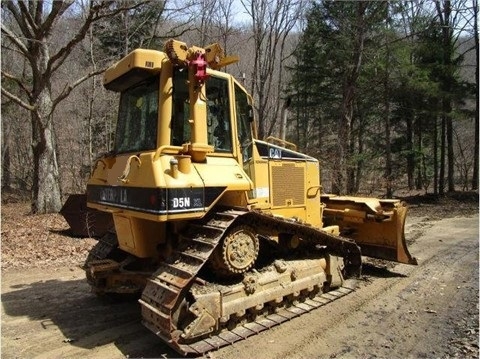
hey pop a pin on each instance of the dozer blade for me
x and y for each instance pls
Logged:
(84, 221)
(376, 225)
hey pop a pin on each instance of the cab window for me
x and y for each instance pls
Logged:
(218, 114)
(137, 118)
(243, 109)
(219, 134)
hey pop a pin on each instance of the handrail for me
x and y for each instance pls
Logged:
(161, 149)
(286, 144)
(126, 171)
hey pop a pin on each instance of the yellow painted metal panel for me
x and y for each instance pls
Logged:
(149, 60)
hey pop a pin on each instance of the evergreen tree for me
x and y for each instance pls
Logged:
(327, 75)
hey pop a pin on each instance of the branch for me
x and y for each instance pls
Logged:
(57, 60)
(38, 10)
(17, 100)
(439, 12)
(473, 47)
(20, 45)
(19, 18)
(116, 11)
(13, 49)
(58, 8)
(68, 88)
(28, 16)
(18, 81)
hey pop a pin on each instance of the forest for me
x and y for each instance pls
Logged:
(384, 93)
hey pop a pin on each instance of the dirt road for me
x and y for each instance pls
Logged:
(400, 311)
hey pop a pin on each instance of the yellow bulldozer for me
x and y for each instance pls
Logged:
(220, 234)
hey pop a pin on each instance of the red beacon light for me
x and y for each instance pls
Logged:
(200, 67)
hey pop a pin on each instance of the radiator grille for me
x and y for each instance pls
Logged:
(288, 185)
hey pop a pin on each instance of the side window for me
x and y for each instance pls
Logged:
(244, 129)
(218, 115)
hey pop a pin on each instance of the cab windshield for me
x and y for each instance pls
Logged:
(137, 118)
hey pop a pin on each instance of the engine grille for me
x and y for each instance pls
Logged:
(288, 185)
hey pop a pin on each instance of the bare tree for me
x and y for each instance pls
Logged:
(223, 20)
(206, 9)
(272, 22)
(30, 36)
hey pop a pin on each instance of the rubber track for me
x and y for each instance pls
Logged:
(166, 288)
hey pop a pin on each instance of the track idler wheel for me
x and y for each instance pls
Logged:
(237, 252)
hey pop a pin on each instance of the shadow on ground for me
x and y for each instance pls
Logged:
(85, 320)
(373, 270)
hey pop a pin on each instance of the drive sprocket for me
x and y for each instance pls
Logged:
(237, 252)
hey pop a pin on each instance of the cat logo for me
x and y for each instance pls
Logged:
(275, 153)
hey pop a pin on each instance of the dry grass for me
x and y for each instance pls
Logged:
(38, 240)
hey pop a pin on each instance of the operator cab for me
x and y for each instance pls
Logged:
(155, 107)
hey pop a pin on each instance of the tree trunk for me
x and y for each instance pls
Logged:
(410, 154)
(419, 148)
(386, 117)
(441, 177)
(46, 194)
(388, 150)
(477, 124)
(435, 155)
(348, 100)
(351, 165)
(450, 155)
(361, 161)
(6, 179)
(447, 85)
(344, 131)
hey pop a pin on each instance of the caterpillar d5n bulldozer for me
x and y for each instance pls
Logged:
(220, 234)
